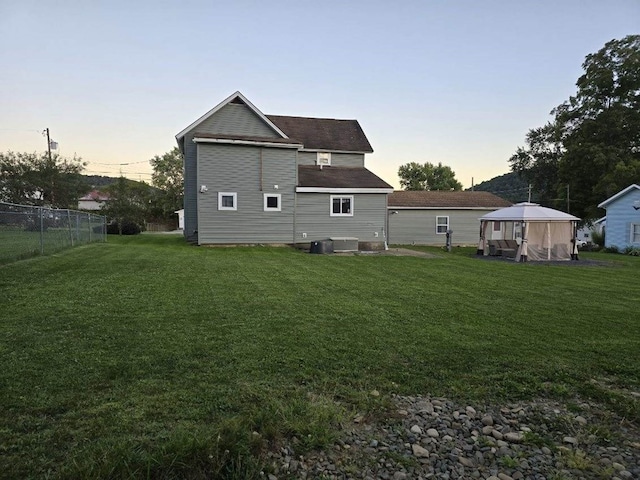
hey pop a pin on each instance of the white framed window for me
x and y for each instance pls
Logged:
(341, 206)
(323, 158)
(272, 202)
(442, 225)
(635, 233)
(227, 201)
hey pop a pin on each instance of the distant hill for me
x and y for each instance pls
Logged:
(508, 186)
(99, 181)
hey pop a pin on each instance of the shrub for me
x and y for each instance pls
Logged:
(611, 249)
(128, 228)
(597, 237)
(633, 251)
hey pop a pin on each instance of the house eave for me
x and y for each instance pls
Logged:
(316, 150)
(621, 193)
(295, 146)
(391, 207)
(342, 190)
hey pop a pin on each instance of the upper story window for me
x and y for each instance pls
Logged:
(341, 206)
(442, 225)
(272, 202)
(324, 158)
(227, 201)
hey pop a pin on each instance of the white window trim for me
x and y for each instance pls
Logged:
(268, 209)
(228, 194)
(632, 226)
(332, 197)
(441, 225)
(323, 158)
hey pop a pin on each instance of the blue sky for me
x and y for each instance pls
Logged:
(458, 82)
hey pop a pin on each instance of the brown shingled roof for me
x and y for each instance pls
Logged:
(324, 133)
(445, 199)
(338, 177)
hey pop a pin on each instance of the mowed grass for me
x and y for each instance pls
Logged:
(148, 358)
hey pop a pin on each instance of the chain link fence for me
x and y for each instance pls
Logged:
(27, 231)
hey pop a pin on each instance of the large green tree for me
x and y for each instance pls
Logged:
(591, 148)
(168, 178)
(427, 176)
(36, 179)
(129, 202)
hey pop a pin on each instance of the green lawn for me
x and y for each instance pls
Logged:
(145, 357)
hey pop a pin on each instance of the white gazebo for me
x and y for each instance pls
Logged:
(547, 234)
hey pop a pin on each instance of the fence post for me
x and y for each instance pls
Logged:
(69, 222)
(41, 230)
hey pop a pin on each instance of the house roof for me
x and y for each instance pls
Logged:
(325, 134)
(96, 196)
(530, 212)
(618, 195)
(339, 178)
(445, 199)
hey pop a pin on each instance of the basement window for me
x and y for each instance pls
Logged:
(227, 201)
(442, 225)
(272, 202)
(341, 206)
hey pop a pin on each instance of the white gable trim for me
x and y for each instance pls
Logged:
(618, 195)
(227, 100)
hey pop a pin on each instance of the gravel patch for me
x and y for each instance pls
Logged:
(435, 438)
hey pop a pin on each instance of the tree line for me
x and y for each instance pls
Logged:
(590, 149)
(57, 182)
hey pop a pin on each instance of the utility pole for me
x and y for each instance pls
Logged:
(50, 165)
(568, 198)
(48, 144)
(529, 194)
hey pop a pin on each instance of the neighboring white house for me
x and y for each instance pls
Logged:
(94, 200)
(623, 218)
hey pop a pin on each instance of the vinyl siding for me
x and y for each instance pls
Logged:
(620, 216)
(234, 168)
(314, 219)
(419, 226)
(337, 159)
(235, 119)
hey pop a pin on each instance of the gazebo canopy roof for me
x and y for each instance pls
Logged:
(527, 212)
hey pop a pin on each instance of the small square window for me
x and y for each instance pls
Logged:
(227, 201)
(341, 206)
(442, 225)
(497, 226)
(323, 158)
(272, 202)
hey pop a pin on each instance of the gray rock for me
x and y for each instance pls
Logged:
(419, 451)
(416, 429)
(487, 420)
(433, 433)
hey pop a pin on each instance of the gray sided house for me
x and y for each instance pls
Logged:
(423, 217)
(252, 178)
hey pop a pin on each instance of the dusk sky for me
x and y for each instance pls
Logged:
(457, 82)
